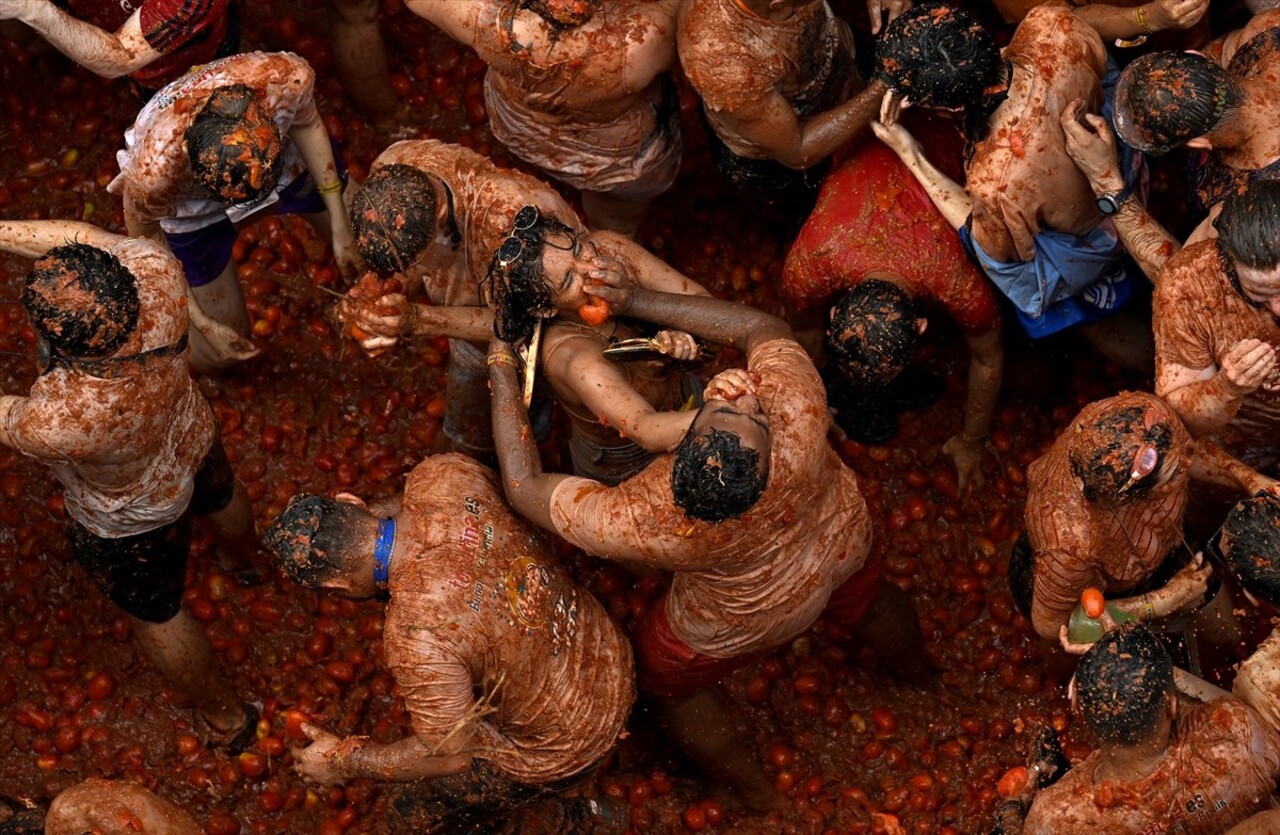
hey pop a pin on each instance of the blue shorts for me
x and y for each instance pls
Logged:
(205, 253)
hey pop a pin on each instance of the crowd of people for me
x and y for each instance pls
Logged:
(1019, 210)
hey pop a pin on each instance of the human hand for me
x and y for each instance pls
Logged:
(678, 345)
(1175, 14)
(1092, 147)
(1248, 365)
(376, 324)
(731, 384)
(1188, 586)
(315, 762)
(611, 280)
(889, 131)
(1068, 645)
(875, 9)
(345, 252)
(966, 454)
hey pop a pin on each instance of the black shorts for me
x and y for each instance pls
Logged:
(145, 574)
(789, 192)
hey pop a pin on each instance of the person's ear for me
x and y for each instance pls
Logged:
(1200, 143)
(347, 498)
(921, 324)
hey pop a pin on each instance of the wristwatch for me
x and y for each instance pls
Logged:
(1109, 204)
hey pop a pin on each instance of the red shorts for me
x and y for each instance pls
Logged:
(667, 666)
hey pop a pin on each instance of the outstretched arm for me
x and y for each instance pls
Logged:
(774, 126)
(33, 238)
(947, 195)
(1212, 464)
(109, 54)
(329, 760)
(714, 320)
(1123, 22)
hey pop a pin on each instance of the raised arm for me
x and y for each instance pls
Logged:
(773, 125)
(33, 238)
(528, 488)
(1207, 399)
(1091, 145)
(109, 54)
(606, 392)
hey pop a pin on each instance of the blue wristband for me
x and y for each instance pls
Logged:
(382, 551)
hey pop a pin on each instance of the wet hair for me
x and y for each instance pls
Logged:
(1250, 546)
(715, 477)
(873, 332)
(1249, 225)
(562, 15)
(393, 217)
(938, 56)
(82, 300)
(518, 289)
(1124, 684)
(1165, 98)
(235, 150)
(314, 539)
(1105, 458)
(1022, 574)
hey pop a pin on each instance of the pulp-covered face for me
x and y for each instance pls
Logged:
(1261, 286)
(567, 262)
(742, 416)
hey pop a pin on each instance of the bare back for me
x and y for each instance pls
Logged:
(1020, 176)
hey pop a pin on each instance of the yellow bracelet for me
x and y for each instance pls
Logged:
(501, 359)
(1142, 20)
(331, 188)
(1148, 608)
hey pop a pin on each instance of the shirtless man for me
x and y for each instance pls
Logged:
(1029, 215)
(1216, 327)
(151, 41)
(1227, 111)
(878, 265)
(438, 214)
(779, 90)
(229, 142)
(579, 89)
(117, 417)
(515, 679)
(1105, 509)
(1166, 762)
(762, 524)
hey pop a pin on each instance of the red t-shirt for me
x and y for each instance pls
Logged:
(873, 218)
(188, 32)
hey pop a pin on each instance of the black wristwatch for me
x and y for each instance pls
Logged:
(1109, 204)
